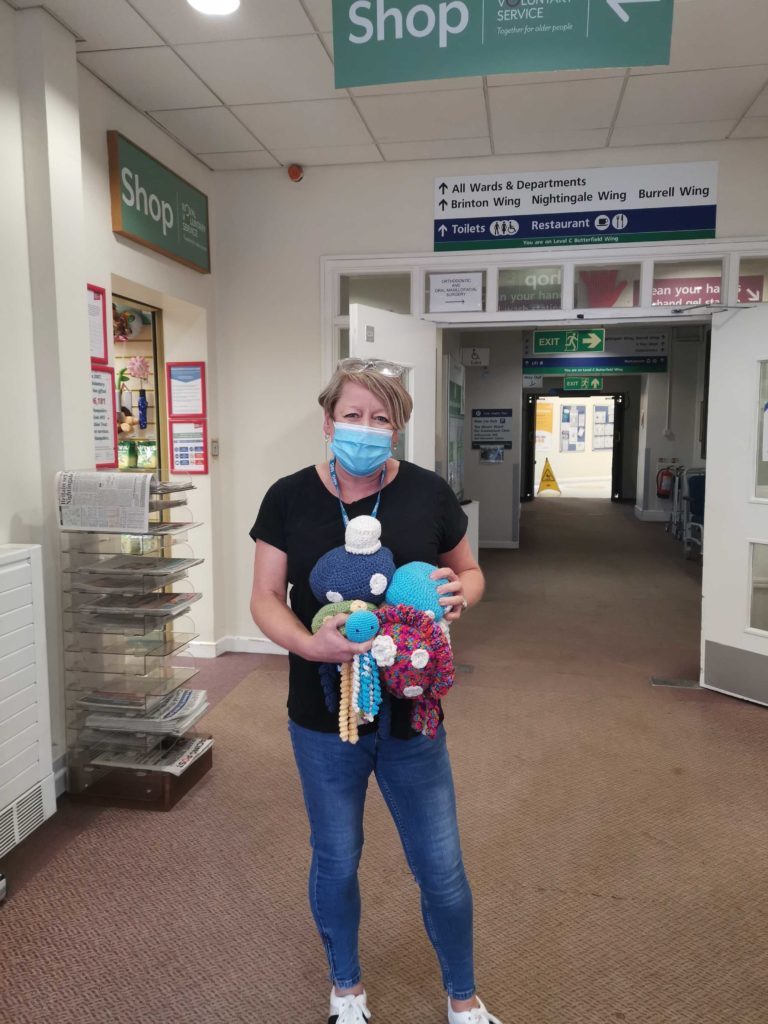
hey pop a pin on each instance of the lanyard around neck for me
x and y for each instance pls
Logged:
(335, 480)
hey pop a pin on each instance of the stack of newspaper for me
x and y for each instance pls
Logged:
(175, 761)
(173, 715)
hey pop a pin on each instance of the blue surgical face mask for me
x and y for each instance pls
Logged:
(360, 450)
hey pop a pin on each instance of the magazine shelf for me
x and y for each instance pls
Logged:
(130, 706)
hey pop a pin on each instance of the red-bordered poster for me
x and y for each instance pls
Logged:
(188, 443)
(186, 390)
(97, 323)
(104, 417)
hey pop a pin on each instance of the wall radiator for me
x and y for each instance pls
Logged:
(27, 793)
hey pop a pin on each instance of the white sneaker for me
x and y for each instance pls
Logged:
(348, 1009)
(477, 1016)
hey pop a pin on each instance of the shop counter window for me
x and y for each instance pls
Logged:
(530, 288)
(753, 280)
(607, 287)
(381, 291)
(687, 284)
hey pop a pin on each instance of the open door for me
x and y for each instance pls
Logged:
(735, 585)
(528, 492)
(617, 468)
(379, 334)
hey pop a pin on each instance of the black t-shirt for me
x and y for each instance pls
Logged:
(420, 520)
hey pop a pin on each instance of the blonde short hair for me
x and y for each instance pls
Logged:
(390, 390)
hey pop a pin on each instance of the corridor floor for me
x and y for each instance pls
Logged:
(614, 832)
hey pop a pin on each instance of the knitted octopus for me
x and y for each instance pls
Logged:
(411, 651)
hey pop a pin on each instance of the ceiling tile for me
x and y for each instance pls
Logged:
(433, 85)
(760, 107)
(752, 128)
(686, 96)
(437, 149)
(718, 34)
(107, 25)
(238, 161)
(664, 134)
(553, 106)
(264, 70)
(414, 117)
(324, 156)
(177, 22)
(207, 130)
(151, 79)
(321, 13)
(552, 142)
(308, 123)
(538, 77)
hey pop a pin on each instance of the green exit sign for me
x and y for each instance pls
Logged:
(582, 384)
(557, 342)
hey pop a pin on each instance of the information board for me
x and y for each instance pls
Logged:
(491, 427)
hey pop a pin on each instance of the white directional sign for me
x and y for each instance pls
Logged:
(598, 205)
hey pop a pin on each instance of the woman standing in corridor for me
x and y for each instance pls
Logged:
(302, 517)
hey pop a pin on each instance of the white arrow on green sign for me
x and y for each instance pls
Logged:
(559, 342)
(582, 384)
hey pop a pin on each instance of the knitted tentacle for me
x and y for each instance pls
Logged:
(345, 701)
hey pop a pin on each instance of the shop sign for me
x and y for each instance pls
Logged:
(378, 41)
(551, 342)
(491, 427)
(588, 206)
(456, 293)
(153, 206)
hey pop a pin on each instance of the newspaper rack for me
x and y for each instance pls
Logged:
(128, 572)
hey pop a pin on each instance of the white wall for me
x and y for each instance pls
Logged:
(185, 296)
(497, 386)
(272, 234)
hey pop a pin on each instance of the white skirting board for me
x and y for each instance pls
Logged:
(236, 644)
(651, 515)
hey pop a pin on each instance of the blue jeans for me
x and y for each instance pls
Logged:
(415, 779)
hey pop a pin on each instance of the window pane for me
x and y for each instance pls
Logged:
(530, 288)
(382, 291)
(687, 284)
(455, 291)
(343, 342)
(759, 614)
(761, 489)
(752, 280)
(607, 287)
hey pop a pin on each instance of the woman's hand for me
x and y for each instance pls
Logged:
(451, 593)
(328, 644)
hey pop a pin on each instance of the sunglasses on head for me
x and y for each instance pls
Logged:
(381, 366)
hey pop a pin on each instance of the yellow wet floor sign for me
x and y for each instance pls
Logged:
(548, 481)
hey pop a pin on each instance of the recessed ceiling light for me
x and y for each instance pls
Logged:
(215, 6)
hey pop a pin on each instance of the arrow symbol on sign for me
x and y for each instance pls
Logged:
(753, 296)
(442, 230)
(593, 341)
(442, 204)
(443, 188)
(617, 6)
(596, 383)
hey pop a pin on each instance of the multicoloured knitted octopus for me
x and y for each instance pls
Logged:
(411, 651)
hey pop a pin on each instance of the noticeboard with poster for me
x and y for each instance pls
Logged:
(573, 428)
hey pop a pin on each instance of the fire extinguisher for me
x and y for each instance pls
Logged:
(665, 479)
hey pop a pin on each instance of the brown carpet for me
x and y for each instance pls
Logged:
(615, 834)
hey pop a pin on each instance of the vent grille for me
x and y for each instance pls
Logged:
(30, 812)
(7, 832)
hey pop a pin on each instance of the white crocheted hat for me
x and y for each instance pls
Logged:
(362, 536)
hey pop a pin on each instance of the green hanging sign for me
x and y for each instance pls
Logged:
(155, 207)
(378, 41)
